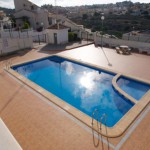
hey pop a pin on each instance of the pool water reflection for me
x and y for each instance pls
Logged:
(83, 87)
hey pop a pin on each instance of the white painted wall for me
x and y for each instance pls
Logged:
(139, 37)
(117, 42)
(36, 36)
(8, 45)
(87, 36)
(62, 36)
(16, 34)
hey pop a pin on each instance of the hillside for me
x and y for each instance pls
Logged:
(7, 10)
(114, 24)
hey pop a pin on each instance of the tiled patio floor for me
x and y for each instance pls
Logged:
(38, 125)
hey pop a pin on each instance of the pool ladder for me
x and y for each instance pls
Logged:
(96, 115)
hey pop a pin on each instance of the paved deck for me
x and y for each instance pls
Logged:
(38, 124)
(68, 46)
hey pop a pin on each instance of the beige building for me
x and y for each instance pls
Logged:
(4, 21)
(2, 15)
(28, 11)
(38, 17)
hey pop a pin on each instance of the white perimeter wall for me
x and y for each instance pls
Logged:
(16, 34)
(140, 38)
(36, 36)
(39, 36)
(117, 42)
(11, 45)
(87, 36)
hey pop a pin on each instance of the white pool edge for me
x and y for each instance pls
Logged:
(7, 140)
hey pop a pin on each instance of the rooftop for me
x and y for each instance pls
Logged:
(36, 123)
(58, 27)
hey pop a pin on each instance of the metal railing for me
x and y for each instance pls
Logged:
(100, 120)
(95, 112)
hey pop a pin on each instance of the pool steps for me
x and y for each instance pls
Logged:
(118, 89)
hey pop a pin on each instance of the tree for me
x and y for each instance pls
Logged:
(84, 16)
(96, 14)
(145, 13)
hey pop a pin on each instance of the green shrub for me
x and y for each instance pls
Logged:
(26, 25)
(70, 36)
(75, 37)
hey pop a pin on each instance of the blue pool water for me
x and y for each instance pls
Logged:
(83, 87)
(133, 88)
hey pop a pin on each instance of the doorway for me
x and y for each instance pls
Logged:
(55, 38)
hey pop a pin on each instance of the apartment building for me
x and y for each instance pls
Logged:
(28, 11)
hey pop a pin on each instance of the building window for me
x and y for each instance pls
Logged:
(49, 20)
(32, 7)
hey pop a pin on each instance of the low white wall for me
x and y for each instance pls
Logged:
(36, 36)
(16, 34)
(39, 36)
(86, 35)
(10, 45)
(139, 38)
(117, 42)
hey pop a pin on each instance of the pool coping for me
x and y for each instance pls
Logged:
(119, 128)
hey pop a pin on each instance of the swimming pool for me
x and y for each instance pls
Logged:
(83, 87)
(75, 85)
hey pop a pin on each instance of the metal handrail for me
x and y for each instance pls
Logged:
(104, 116)
(94, 112)
(99, 122)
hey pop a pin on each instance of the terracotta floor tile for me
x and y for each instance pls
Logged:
(37, 125)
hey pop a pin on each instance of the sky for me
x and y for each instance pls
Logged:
(10, 3)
